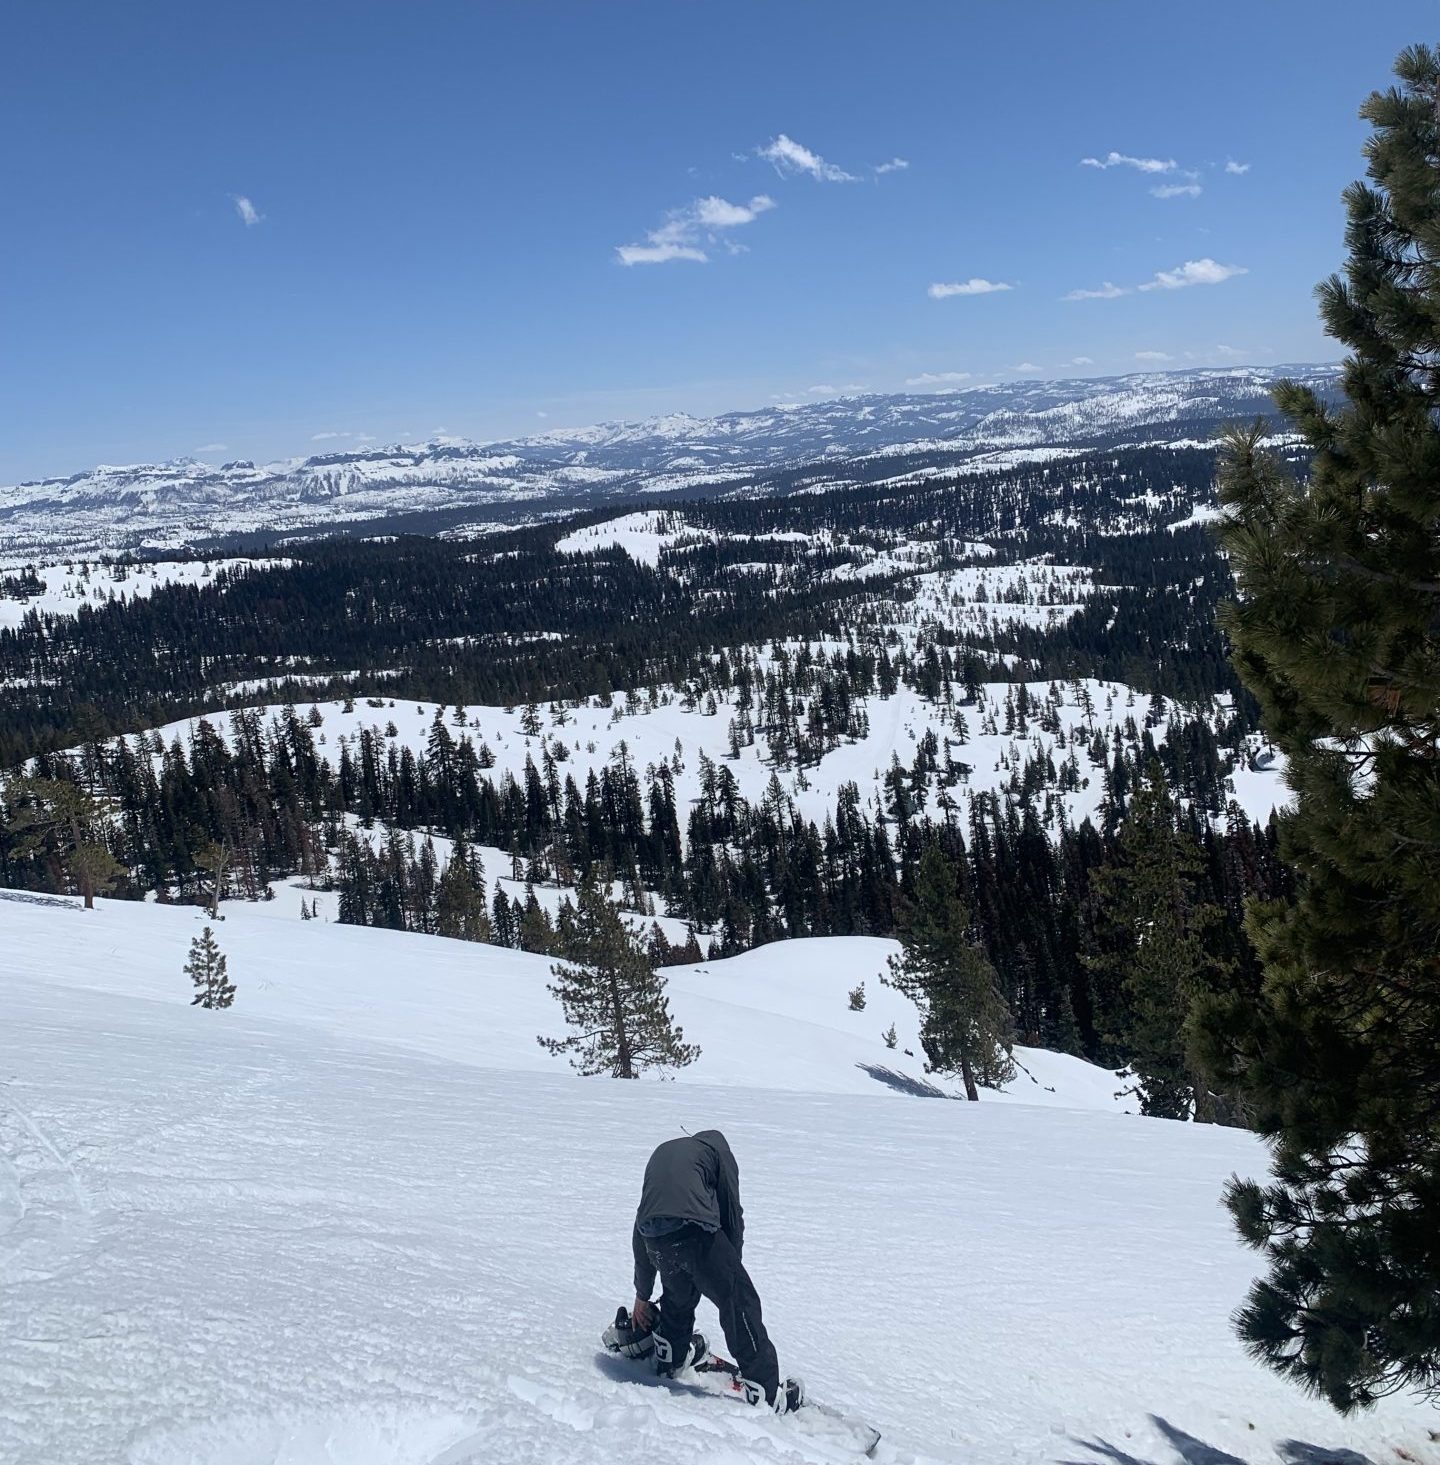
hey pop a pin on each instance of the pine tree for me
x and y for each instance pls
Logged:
(59, 819)
(966, 1025)
(613, 999)
(1150, 951)
(206, 968)
(1337, 633)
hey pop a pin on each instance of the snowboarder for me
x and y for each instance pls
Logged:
(691, 1230)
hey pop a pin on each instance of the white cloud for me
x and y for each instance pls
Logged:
(789, 156)
(977, 286)
(826, 390)
(213, 448)
(1025, 366)
(718, 213)
(895, 165)
(364, 437)
(1107, 291)
(1233, 167)
(320, 437)
(1153, 356)
(249, 214)
(541, 414)
(1232, 353)
(1082, 361)
(686, 231)
(658, 253)
(1194, 272)
(1119, 160)
(937, 379)
(1177, 190)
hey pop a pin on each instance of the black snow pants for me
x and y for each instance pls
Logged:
(695, 1263)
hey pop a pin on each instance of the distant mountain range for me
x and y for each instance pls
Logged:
(451, 483)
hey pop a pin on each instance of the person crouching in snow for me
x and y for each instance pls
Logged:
(691, 1230)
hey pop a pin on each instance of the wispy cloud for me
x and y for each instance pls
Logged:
(1194, 272)
(1107, 291)
(1177, 190)
(790, 157)
(1233, 167)
(1082, 361)
(321, 437)
(937, 379)
(213, 448)
(1124, 160)
(941, 291)
(1025, 366)
(826, 390)
(1153, 356)
(895, 165)
(249, 214)
(687, 231)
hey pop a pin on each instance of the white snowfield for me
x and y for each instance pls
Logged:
(71, 585)
(361, 1219)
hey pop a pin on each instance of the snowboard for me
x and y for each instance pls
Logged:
(718, 1376)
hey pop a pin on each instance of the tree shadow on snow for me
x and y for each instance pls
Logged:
(1192, 1451)
(902, 1082)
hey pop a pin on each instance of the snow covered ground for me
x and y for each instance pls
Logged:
(330, 1226)
(69, 586)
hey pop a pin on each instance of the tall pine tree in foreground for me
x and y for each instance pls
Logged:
(613, 999)
(1338, 634)
(966, 1025)
(206, 968)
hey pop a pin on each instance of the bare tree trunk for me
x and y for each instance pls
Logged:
(222, 864)
(968, 1074)
(624, 1066)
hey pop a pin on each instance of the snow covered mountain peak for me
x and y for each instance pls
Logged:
(184, 500)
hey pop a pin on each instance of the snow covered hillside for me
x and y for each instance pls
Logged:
(172, 504)
(994, 752)
(337, 1225)
(63, 588)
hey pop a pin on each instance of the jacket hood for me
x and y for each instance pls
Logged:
(715, 1140)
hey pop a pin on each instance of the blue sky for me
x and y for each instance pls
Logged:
(268, 229)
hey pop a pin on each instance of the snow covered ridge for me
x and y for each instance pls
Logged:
(169, 505)
(333, 1225)
(64, 588)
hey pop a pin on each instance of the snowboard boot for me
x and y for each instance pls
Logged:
(668, 1363)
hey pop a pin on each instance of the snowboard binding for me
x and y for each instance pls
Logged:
(627, 1337)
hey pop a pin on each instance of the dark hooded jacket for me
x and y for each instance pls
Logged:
(691, 1179)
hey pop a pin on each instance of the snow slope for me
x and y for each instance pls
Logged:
(778, 1016)
(281, 1235)
(68, 587)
